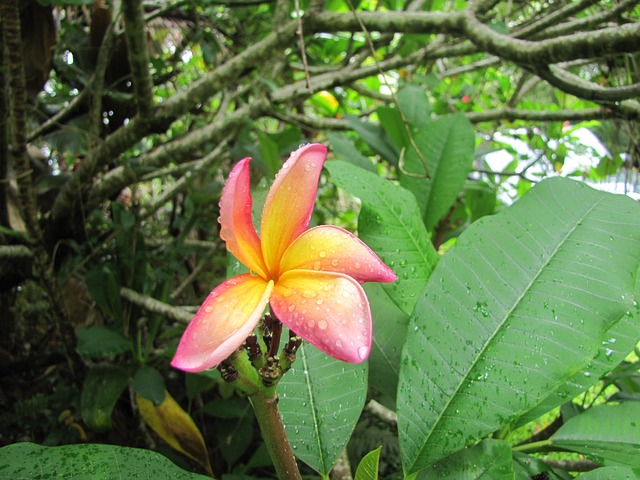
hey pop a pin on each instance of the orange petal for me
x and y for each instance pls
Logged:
(329, 310)
(223, 322)
(289, 204)
(237, 228)
(333, 249)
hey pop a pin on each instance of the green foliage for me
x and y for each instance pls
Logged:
(516, 304)
(29, 461)
(317, 408)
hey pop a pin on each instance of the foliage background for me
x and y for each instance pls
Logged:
(120, 121)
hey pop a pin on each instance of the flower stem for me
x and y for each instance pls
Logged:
(265, 407)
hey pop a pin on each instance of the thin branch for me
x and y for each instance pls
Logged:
(179, 314)
(383, 413)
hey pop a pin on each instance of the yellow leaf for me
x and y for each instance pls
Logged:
(175, 427)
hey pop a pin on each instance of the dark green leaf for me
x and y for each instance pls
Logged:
(526, 294)
(88, 461)
(104, 288)
(102, 387)
(148, 383)
(98, 342)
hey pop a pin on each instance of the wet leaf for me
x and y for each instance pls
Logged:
(175, 427)
(518, 305)
(607, 433)
(97, 462)
(321, 399)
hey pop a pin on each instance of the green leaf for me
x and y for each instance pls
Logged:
(104, 288)
(415, 106)
(344, 149)
(525, 294)
(488, 460)
(617, 343)
(98, 342)
(608, 433)
(389, 222)
(319, 412)
(447, 147)
(389, 333)
(368, 466)
(148, 383)
(609, 473)
(87, 461)
(101, 389)
(376, 138)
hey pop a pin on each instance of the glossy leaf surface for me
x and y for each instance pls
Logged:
(320, 402)
(528, 293)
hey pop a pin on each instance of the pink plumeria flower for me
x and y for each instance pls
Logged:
(309, 278)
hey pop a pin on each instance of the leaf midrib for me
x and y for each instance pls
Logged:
(506, 317)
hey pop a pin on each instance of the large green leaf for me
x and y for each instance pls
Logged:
(608, 433)
(517, 307)
(447, 147)
(389, 222)
(617, 343)
(87, 461)
(321, 399)
(488, 460)
(615, 473)
(389, 333)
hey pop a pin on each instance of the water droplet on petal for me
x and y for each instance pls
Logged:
(363, 352)
(322, 254)
(322, 325)
(317, 265)
(208, 308)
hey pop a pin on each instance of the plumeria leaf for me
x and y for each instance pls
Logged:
(389, 223)
(389, 333)
(607, 473)
(530, 291)
(488, 460)
(368, 466)
(447, 146)
(607, 433)
(102, 388)
(175, 427)
(317, 409)
(98, 462)
(615, 346)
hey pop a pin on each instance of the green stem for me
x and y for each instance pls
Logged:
(265, 407)
(533, 446)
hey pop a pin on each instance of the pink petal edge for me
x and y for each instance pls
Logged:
(329, 310)
(236, 222)
(223, 322)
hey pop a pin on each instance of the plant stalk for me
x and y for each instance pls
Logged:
(265, 407)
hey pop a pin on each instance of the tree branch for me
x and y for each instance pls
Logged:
(138, 52)
(179, 314)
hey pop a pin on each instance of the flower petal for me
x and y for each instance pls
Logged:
(333, 249)
(329, 310)
(289, 204)
(223, 322)
(237, 228)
